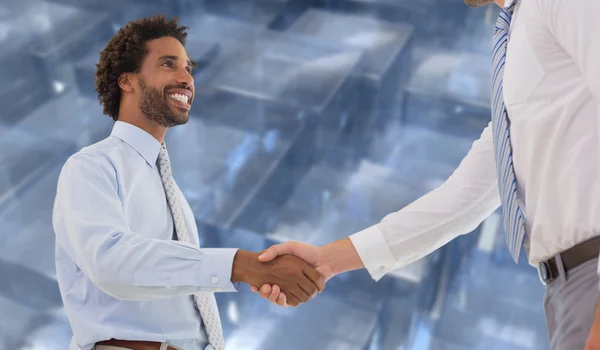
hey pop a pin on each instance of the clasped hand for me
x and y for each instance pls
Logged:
(297, 279)
(277, 293)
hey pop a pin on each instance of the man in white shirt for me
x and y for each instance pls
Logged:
(131, 272)
(552, 98)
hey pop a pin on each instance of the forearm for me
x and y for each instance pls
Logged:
(137, 268)
(341, 256)
(456, 207)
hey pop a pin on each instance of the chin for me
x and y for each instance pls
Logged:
(180, 116)
(181, 119)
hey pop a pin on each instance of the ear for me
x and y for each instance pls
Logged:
(126, 81)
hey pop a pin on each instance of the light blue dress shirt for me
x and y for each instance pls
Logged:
(121, 274)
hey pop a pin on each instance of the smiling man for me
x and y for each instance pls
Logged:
(128, 262)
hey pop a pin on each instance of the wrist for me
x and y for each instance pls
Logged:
(244, 262)
(327, 260)
(341, 256)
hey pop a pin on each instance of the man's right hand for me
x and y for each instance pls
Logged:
(297, 279)
(329, 260)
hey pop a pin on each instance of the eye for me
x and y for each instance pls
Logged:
(189, 70)
(167, 64)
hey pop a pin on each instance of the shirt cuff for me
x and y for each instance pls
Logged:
(374, 251)
(216, 270)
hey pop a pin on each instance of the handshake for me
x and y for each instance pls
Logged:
(292, 273)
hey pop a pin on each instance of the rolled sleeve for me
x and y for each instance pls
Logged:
(374, 251)
(217, 273)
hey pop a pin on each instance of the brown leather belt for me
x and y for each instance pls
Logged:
(134, 344)
(571, 258)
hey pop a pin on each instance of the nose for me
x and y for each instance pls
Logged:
(184, 77)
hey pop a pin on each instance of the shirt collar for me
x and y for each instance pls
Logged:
(144, 143)
(507, 3)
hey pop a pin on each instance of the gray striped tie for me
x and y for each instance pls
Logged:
(205, 302)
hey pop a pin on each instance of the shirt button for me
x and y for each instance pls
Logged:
(215, 280)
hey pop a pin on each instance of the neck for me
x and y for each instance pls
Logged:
(135, 117)
(500, 3)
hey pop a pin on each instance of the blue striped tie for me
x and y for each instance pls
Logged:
(514, 219)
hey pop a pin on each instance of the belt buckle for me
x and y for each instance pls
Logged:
(544, 273)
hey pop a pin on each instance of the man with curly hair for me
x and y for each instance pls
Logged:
(128, 262)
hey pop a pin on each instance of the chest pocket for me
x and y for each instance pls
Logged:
(523, 71)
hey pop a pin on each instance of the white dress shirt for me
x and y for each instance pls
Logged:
(552, 95)
(121, 274)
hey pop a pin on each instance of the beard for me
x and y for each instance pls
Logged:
(479, 3)
(155, 106)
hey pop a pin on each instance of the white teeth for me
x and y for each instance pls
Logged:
(179, 97)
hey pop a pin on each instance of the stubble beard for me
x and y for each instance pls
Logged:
(479, 3)
(155, 106)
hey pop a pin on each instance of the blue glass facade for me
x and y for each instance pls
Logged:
(312, 121)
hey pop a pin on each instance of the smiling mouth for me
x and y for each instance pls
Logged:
(181, 98)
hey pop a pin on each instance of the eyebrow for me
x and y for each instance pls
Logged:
(176, 58)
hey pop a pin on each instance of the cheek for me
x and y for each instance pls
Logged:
(159, 90)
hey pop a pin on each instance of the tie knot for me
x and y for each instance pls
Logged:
(505, 17)
(163, 157)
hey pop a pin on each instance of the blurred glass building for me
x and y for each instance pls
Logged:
(313, 119)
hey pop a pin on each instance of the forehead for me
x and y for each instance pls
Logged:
(167, 46)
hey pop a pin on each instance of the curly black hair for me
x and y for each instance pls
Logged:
(125, 52)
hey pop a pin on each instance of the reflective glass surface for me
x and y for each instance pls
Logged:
(312, 120)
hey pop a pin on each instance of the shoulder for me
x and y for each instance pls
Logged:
(99, 158)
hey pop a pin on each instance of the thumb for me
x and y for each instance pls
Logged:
(276, 250)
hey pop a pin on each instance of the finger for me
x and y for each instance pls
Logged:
(292, 300)
(274, 294)
(276, 250)
(315, 277)
(281, 301)
(265, 291)
(254, 289)
(308, 287)
(293, 295)
(297, 289)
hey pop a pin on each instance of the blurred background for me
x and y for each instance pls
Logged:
(313, 119)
